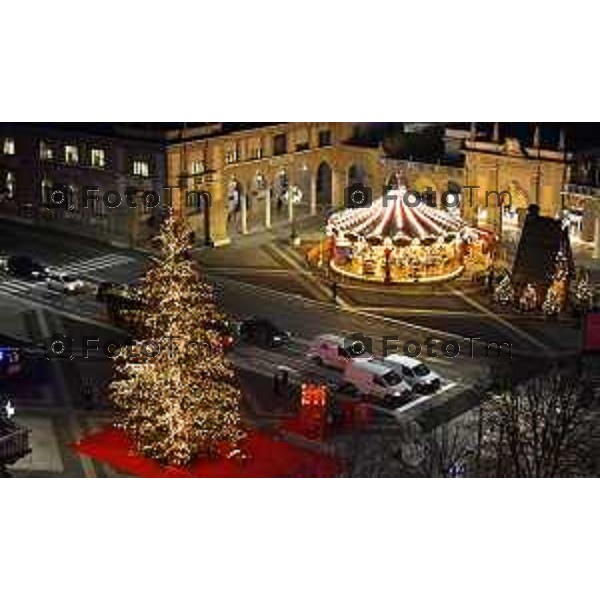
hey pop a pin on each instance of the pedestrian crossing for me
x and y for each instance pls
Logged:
(87, 269)
(101, 263)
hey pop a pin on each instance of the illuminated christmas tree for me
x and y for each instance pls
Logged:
(584, 293)
(552, 303)
(504, 292)
(175, 392)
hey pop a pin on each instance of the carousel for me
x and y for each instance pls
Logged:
(403, 239)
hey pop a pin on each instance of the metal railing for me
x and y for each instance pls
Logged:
(14, 445)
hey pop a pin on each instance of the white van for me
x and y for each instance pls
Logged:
(376, 379)
(328, 350)
(416, 374)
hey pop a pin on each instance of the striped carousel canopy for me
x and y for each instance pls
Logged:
(398, 216)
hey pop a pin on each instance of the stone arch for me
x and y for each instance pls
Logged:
(357, 174)
(452, 199)
(515, 210)
(234, 196)
(324, 185)
(393, 181)
(279, 187)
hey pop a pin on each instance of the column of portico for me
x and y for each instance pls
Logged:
(244, 207)
(290, 203)
(338, 183)
(268, 208)
(313, 194)
(596, 253)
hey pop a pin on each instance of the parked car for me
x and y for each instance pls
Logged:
(328, 350)
(25, 267)
(377, 380)
(11, 361)
(227, 332)
(262, 333)
(105, 288)
(417, 374)
(63, 282)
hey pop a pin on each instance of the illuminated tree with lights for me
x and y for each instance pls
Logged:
(552, 304)
(175, 392)
(504, 292)
(584, 293)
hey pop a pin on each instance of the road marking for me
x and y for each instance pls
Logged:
(86, 463)
(301, 270)
(418, 311)
(35, 303)
(422, 399)
(502, 321)
(98, 263)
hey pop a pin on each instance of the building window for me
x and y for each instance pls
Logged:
(197, 167)
(9, 146)
(10, 185)
(46, 151)
(141, 168)
(71, 155)
(97, 158)
(231, 156)
(324, 138)
(46, 192)
(302, 146)
(256, 153)
(279, 144)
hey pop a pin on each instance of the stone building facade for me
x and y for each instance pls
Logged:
(36, 160)
(251, 174)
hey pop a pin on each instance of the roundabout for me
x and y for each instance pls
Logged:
(402, 238)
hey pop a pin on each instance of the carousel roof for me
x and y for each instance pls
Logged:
(395, 218)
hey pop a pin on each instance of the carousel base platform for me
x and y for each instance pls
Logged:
(378, 279)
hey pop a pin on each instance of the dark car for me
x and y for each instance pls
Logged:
(106, 288)
(227, 333)
(262, 332)
(25, 267)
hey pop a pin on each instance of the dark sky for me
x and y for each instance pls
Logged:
(578, 135)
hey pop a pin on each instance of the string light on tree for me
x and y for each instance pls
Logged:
(528, 300)
(584, 293)
(552, 303)
(504, 292)
(184, 400)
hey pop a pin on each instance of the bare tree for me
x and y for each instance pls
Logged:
(543, 428)
(405, 450)
(548, 426)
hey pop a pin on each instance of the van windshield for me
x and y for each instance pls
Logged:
(421, 370)
(392, 378)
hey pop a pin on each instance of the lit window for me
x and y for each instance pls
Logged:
(10, 185)
(45, 151)
(9, 146)
(230, 156)
(97, 157)
(141, 168)
(71, 155)
(197, 167)
(46, 192)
